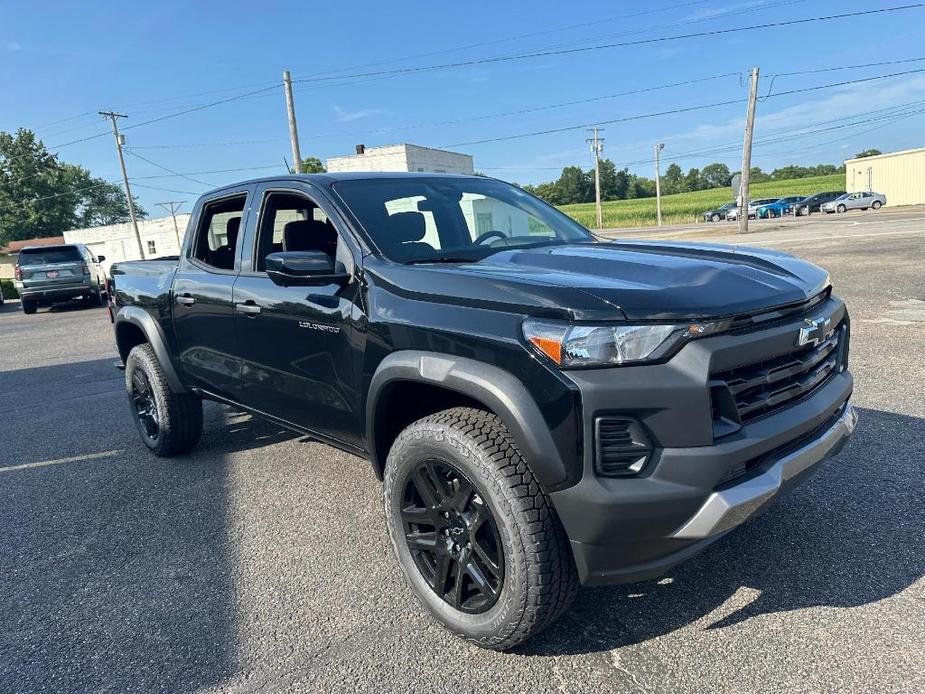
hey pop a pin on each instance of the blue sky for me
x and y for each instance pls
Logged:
(60, 60)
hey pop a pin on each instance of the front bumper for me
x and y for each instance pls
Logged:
(700, 483)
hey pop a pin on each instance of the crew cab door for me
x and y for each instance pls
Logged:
(298, 344)
(201, 296)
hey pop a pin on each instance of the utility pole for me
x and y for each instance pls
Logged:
(658, 185)
(173, 207)
(128, 191)
(597, 146)
(293, 128)
(747, 152)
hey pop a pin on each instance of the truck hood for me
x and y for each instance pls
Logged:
(629, 279)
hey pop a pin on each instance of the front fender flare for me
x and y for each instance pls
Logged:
(497, 389)
(155, 336)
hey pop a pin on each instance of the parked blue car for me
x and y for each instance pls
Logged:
(778, 208)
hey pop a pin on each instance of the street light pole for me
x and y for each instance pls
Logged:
(658, 185)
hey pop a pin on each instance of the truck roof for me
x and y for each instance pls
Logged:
(326, 179)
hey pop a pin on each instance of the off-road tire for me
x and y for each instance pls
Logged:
(540, 579)
(29, 307)
(180, 414)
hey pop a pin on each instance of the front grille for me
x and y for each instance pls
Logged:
(763, 387)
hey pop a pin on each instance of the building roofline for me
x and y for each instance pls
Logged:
(885, 155)
(400, 144)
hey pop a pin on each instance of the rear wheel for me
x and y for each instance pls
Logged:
(169, 423)
(475, 536)
(29, 306)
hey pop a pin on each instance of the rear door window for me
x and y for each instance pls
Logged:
(217, 233)
(49, 256)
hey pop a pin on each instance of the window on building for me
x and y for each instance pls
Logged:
(217, 233)
(152, 249)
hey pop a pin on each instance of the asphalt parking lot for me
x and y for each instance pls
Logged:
(260, 561)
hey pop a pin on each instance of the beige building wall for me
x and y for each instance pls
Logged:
(117, 241)
(898, 175)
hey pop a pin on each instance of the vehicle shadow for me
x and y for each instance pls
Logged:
(118, 570)
(852, 535)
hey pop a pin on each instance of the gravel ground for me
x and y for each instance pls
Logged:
(260, 561)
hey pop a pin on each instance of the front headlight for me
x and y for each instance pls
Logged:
(572, 346)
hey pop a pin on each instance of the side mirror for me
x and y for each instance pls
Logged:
(100, 258)
(303, 268)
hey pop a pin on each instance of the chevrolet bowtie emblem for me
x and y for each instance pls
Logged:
(812, 332)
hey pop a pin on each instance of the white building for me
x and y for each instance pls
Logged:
(117, 241)
(898, 175)
(403, 157)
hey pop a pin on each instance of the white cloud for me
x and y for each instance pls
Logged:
(344, 116)
(859, 98)
(12, 45)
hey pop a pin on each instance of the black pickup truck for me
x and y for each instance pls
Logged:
(545, 409)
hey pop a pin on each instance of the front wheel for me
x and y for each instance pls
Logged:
(714, 218)
(876, 204)
(169, 423)
(29, 307)
(841, 208)
(475, 536)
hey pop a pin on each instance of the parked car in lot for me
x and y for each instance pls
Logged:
(855, 201)
(47, 274)
(778, 208)
(719, 213)
(753, 206)
(544, 409)
(814, 203)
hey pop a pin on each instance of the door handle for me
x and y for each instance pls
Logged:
(248, 308)
(186, 300)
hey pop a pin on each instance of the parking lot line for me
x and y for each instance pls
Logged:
(61, 461)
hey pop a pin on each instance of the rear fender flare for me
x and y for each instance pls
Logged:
(155, 336)
(497, 389)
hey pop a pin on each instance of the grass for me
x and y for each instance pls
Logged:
(688, 207)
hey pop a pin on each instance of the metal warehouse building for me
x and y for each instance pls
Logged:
(898, 175)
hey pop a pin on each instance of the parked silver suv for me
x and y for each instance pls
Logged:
(48, 274)
(855, 201)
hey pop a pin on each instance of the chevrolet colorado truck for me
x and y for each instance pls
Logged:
(544, 409)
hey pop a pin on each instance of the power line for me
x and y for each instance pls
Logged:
(458, 121)
(622, 44)
(687, 109)
(164, 168)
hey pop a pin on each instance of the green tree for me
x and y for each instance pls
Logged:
(41, 196)
(574, 185)
(614, 183)
(692, 181)
(716, 175)
(867, 153)
(313, 165)
(673, 180)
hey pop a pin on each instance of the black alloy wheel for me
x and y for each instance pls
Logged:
(453, 537)
(145, 405)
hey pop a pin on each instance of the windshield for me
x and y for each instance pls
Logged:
(47, 256)
(421, 219)
(843, 196)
